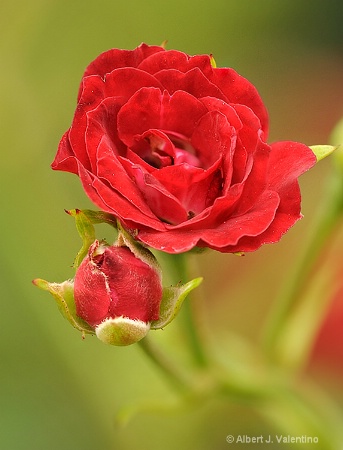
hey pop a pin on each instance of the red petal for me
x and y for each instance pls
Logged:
(238, 89)
(113, 202)
(98, 105)
(93, 91)
(135, 287)
(123, 83)
(92, 299)
(255, 181)
(151, 109)
(111, 171)
(216, 104)
(288, 160)
(194, 82)
(280, 225)
(222, 238)
(174, 59)
(65, 158)
(212, 138)
(195, 188)
(101, 127)
(115, 58)
(159, 199)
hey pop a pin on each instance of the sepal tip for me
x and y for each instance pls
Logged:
(172, 300)
(322, 151)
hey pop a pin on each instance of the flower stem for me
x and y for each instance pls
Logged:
(301, 411)
(191, 323)
(179, 379)
(293, 407)
(182, 379)
(290, 295)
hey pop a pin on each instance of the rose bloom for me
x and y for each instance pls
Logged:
(176, 149)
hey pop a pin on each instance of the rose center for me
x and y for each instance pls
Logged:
(165, 148)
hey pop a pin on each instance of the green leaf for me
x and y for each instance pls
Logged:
(63, 293)
(172, 300)
(322, 151)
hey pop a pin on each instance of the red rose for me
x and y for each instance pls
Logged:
(175, 148)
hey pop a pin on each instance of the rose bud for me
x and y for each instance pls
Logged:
(118, 293)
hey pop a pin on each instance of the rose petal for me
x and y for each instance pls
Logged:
(173, 59)
(162, 202)
(65, 158)
(248, 139)
(223, 237)
(111, 171)
(123, 83)
(194, 82)
(116, 58)
(135, 287)
(215, 104)
(91, 94)
(280, 225)
(255, 181)
(154, 148)
(90, 311)
(238, 89)
(151, 109)
(213, 137)
(100, 128)
(203, 186)
(113, 202)
(288, 160)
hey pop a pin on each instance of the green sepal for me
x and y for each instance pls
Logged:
(63, 293)
(86, 231)
(172, 300)
(84, 220)
(140, 252)
(100, 217)
(322, 151)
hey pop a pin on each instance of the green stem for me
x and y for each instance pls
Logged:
(298, 413)
(178, 378)
(191, 323)
(291, 407)
(182, 379)
(290, 294)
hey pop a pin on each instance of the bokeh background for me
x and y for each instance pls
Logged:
(60, 392)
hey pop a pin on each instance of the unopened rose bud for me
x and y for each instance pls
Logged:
(117, 293)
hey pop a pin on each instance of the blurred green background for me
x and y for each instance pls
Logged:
(60, 392)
